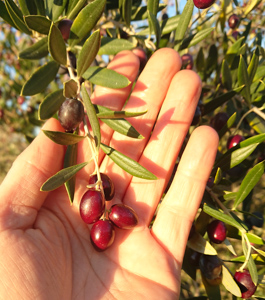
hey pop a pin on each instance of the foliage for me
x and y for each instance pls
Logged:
(39, 68)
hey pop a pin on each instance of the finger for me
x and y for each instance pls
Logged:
(21, 197)
(178, 209)
(148, 94)
(162, 151)
(127, 64)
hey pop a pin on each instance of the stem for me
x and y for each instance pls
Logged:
(245, 239)
(226, 211)
(72, 74)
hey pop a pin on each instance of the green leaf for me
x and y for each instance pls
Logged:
(120, 125)
(253, 238)
(63, 138)
(16, 16)
(194, 39)
(226, 75)
(40, 79)
(220, 215)
(85, 21)
(70, 88)
(54, 8)
(229, 282)
(56, 45)
(253, 270)
(184, 22)
(250, 6)
(61, 177)
(92, 116)
(211, 61)
(253, 65)
(257, 258)
(249, 182)
(154, 26)
(74, 7)
(51, 104)
(256, 122)
(218, 101)
(23, 7)
(4, 14)
(260, 73)
(104, 113)
(38, 23)
(243, 79)
(152, 6)
(28, 7)
(228, 125)
(199, 244)
(111, 46)
(234, 157)
(36, 51)
(127, 164)
(140, 12)
(40, 7)
(233, 50)
(126, 11)
(70, 160)
(106, 77)
(88, 52)
(200, 61)
(167, 26)
(213, 291)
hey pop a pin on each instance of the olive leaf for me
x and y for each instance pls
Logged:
(92, 116)
(63, 138)
(120, 125)
(194, 39)
(106, 77)
(61, 177)
(16, 16)
(126, 11)
(228, 125)
(166, 27)
(112, 46)
(199, 244)
(154, 26)
(219, 100)
(40, 79)
(56, 45)
(253, 65)
(36, 51)
(40, 24)
(249, 182)
(220, 215)
(229, 282)
(106, 113)
(234, 157)
(70, 160)
(28, 7)
(226, 75)
(127, 164)
(243, 79)
(88, 53)
(70, 88)
(85, 21)
(4, 14)
(50, 104)
(183, 24)
(54, 8)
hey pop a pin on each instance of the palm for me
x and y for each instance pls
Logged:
(47, 245)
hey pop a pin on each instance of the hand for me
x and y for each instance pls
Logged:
(46, 251)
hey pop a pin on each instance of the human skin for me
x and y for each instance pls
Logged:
(46, 251)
